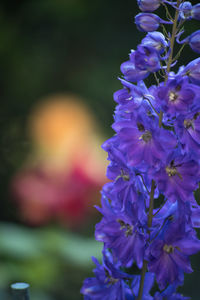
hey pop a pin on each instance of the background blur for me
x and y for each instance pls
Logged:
(59, 66)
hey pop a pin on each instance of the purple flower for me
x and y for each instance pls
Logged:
(126, 184)
(196, 12)
(146, 58)
(168, 255)
(149, 212)
(118, 162)
(194, 41)
(188, 131)
(131, 97)
(120, 231)
(149, 22)
(185, 10)
(131, 72)
(195, 215)
(142, 140)
(148, 5)
(178, 177)
(118, 167)
(192, 70)
(142, 61)
(170, 294)
(182, 212)
(156, 40)
(108, 283)
(176, 96)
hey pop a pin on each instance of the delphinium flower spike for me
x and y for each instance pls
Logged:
(149, 213)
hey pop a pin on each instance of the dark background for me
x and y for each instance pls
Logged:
(49, 46)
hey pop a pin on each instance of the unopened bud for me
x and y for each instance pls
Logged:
(148, 5)
(194, 41)
(149, 22)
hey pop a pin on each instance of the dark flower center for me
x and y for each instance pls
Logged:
(172, 170)
(123, 175)
(168, 248)
(140, 126)
(196, 115)
(110, 279)
(187, 13)
(188, 124)
(128, 228)
(173, 96)
(146, 137)
(147, 51)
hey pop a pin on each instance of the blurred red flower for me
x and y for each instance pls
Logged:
(62, 178)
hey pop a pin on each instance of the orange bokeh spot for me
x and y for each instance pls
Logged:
(67, 166)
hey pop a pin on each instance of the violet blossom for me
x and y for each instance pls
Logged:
(149, 211)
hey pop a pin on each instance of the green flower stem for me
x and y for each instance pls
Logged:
(170, 59)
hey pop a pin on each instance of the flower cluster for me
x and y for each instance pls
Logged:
(148, 207)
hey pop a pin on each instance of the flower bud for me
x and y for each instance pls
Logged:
(194, 41)
(148, 5)
(192, 70)
(156, 40)
(185, 12)
(131, 73)
(146, 58)
(196, 12)
(149, 22)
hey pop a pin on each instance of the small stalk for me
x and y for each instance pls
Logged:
(151, 205)
(149, 222)
(144, 269)
(172, 40)
(179, 52)
(170, 59)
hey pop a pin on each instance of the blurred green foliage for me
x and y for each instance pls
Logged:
(51, 260)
